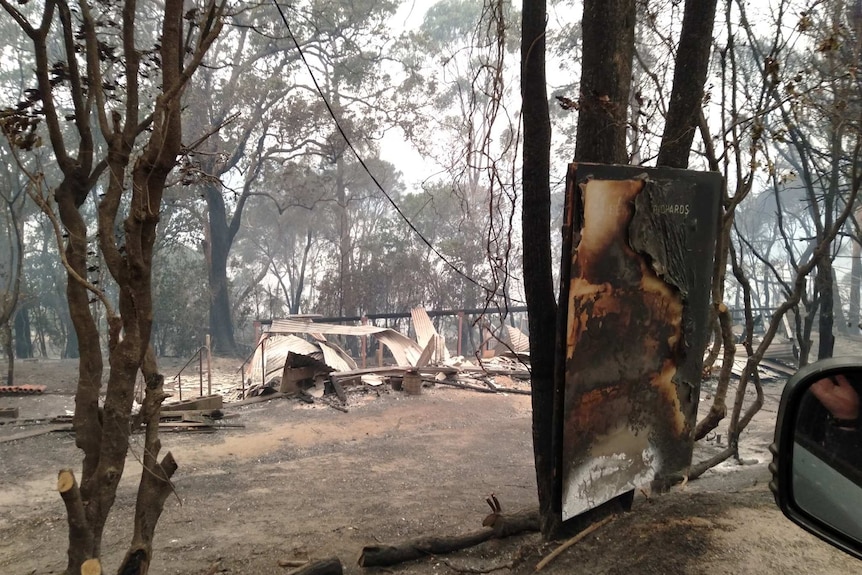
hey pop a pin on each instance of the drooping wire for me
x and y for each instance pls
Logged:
(362, 163)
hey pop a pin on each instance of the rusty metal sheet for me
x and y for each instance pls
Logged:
(637, 307)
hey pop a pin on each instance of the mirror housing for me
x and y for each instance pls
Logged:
(817, 452)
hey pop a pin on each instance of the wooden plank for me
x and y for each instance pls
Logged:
(427, 353)
(36, 432)
(201, 403)
(395, 370)
(10, 412)
(167, 413)
(339, 390)
(778, 366)
(258, 399)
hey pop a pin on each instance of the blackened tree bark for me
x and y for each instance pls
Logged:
(221, 151)
(606, 76)
(853, 318)
(220, 235)
(689, 77)
(13, 269)
(23, 334)
(538, 279)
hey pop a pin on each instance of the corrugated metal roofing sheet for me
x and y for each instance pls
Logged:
(426, 332)
(336, 357)
(405, 350)
(275, 352)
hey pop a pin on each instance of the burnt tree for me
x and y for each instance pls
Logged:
(536, 222)
(689, 76)
(97, 85)
(606, 78)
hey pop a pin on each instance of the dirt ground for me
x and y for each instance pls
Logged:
(306, 481)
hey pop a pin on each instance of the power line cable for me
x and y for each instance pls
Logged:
(335, 119)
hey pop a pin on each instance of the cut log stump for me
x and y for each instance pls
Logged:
(91, 567)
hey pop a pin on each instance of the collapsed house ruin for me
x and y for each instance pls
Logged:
(294, 355)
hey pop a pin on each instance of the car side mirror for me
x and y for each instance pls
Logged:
(817, 453)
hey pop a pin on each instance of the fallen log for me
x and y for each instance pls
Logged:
(479, 388)
(339, 390)
(91, 567)
(501, 526)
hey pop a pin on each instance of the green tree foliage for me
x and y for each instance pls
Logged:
(180, 315)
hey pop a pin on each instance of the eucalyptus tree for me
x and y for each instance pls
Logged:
(461, 59)
(781, 127)
(179, 311)
(240, 104)
(12, 195)
(348, 52)
(293, 249)
(14, 210)
(798, 90)
(269, 110)
(370, 217)
(115, 74)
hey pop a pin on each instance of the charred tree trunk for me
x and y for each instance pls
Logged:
(299, 284)
(538, 279)
(10, 283)
(6, 339)
(87, 419)
(854, 319)
(689, 76)
(346, 303)
(606, 75)
(826, 318)
(23, 334)
(219, 241)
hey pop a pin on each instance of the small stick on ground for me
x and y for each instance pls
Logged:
(330, 566)
(477, 570)
(556, 552)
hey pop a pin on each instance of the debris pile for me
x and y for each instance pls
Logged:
(318, 369)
